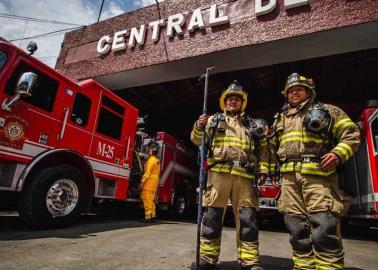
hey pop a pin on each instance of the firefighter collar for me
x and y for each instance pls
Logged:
(295, 110)
(229, 113)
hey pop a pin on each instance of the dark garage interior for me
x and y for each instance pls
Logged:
(348, 80)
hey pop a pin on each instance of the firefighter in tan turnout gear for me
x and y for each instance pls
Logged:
(237, 151)
(312, 140)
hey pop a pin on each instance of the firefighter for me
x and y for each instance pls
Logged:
(149, 184)
(312, 139)
(235, 156)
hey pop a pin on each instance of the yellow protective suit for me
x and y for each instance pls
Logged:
(149, 183)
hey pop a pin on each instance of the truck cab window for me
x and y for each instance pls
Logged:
(3, 59)
(43, 94)
(374, 131)
(81, 109)
(110, 121)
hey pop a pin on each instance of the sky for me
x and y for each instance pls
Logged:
(77, 12)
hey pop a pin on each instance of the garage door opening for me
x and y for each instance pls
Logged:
(348, 80)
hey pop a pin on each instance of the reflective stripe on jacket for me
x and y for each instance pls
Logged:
(233, 144)
(293, 141)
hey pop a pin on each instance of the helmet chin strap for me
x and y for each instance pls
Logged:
(230, 110)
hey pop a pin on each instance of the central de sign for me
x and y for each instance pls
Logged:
(174, 25)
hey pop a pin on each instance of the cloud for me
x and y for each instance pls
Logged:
(143, 3)
(79, 12)
(113, 9)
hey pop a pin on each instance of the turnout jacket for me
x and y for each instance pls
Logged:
(233, 143)
(300, 150)
(151, 174)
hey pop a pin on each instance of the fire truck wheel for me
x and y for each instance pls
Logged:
(55, 197)
(180, 205)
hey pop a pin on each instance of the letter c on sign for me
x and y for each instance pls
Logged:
(103, 46)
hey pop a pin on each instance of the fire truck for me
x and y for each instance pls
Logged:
(359, 176)
(62, 143)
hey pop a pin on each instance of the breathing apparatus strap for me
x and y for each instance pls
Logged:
(213, 126)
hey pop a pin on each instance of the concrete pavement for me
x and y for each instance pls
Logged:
(116, 242)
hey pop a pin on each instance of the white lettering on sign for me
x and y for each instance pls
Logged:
(137, 36)
(295, 3)
(175, 25)
(267, 8)
(156, 29)
(196, 21)
(215, 19)
(105, 150)
(119, 40)
(103, 46)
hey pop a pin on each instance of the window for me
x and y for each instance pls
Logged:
(110, 124)
(81, 109)
(43, 94)
(374, 131)
(3, 59)
(107, 102)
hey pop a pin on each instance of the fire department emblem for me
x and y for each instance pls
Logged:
(14, 131)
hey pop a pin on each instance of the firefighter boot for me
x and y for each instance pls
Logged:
(251, 267)
(206, 266)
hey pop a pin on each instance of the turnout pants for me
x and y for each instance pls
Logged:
(148, 198)
(220, 188)
(313, 206)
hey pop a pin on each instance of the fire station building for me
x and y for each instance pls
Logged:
(152, 57)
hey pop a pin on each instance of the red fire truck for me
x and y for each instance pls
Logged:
(176, 189)
(359, 176)
(63, 142)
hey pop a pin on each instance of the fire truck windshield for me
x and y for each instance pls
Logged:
(3, 59)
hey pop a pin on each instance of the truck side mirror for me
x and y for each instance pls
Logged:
(24, 88)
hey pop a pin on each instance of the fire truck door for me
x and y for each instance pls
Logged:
(76, 122)
(372, 138)
(373, 123)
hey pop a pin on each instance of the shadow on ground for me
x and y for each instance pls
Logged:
(102, 219)
(268, 262)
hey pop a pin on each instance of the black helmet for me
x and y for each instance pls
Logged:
(295, 79)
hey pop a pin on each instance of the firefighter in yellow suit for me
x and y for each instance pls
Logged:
(234, 158)
(312, 139)
(149, 184)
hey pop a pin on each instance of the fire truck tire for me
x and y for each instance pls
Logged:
(54, 197)
(179, 209)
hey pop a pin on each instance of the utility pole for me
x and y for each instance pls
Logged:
(99, 14)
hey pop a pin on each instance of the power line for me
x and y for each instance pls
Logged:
(47, 34)
(99, 14)
(47, 57)
(16, 17)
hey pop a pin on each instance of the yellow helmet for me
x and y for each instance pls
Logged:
(295, 79)
(233, 89)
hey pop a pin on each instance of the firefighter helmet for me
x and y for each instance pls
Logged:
(233, 89)
(295, 79)
(153, 148)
